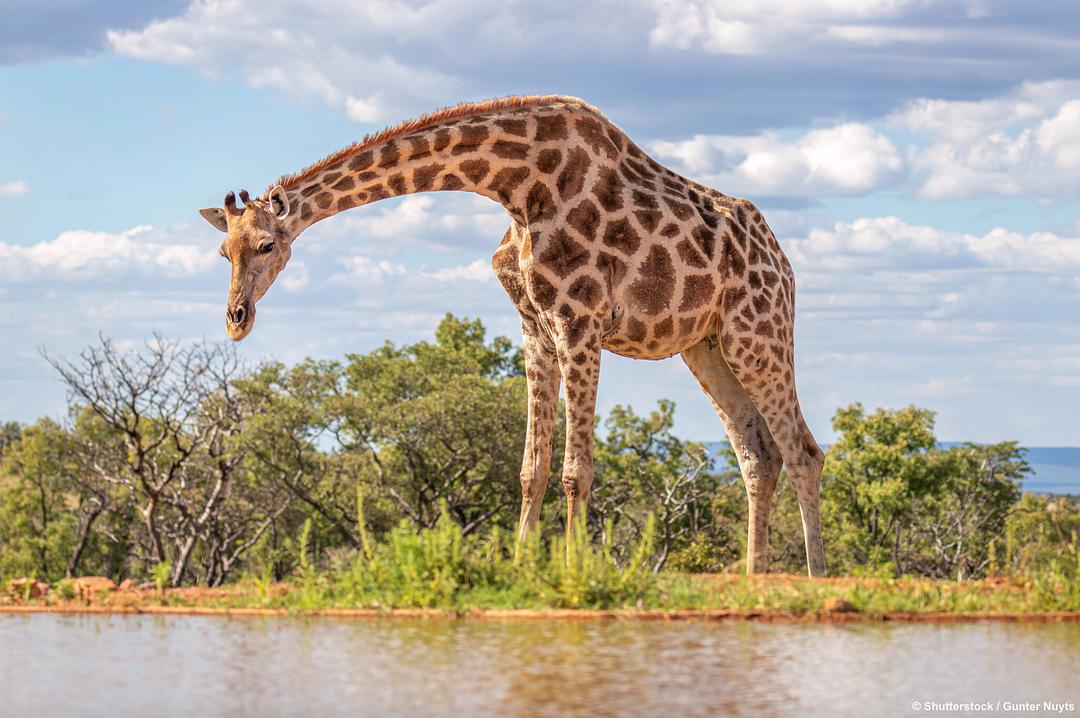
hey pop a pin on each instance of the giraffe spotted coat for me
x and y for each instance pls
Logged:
(607, 249)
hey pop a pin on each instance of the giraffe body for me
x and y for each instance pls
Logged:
(607, 249)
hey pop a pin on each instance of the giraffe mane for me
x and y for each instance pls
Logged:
(423, 122)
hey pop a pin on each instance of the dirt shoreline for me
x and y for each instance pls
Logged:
(555, 614)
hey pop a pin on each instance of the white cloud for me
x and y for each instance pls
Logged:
(427, 222)
(82, 254)
(364, 271)
(847, 159)
(889, 243)
(338, 52)
(477, 271)
(14, 188)
(1024, 143)
(756, 27)
(296, 276)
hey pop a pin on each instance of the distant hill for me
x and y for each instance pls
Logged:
(1056, 469)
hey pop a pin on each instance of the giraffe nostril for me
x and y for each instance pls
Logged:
(237, 315)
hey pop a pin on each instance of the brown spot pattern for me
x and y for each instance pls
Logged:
(510, 150)
(424, 177)
(585, 218)
(543, 292)
(698, 289)
(689, 254)
(562, 255)
(611, 266)
(648, 218)
(472, 136)
(451, 182)
(620, 235)
(655, 284)
(586, 290)
(539, 204)
(513, 127)
(442, 140)
(390, 155)
(362, 161)
(572, 177)
(680, 210)
(608, 190)
(475, 170)
(593, 133)
(550, 127)
(548, 160)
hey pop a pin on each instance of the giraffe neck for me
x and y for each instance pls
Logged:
(488, 155)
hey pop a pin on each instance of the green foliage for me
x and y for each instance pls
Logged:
(36, 520)
(161, 575)
(642, 470)
(65, 589)
(391, 478)
(1042, 531)
(442, 567)
(894, 502)
(879, 467)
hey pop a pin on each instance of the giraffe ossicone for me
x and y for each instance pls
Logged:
(607, 249)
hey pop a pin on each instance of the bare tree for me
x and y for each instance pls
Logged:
(168, 415)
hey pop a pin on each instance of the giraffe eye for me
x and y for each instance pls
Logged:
(266, 248)
(221, 251)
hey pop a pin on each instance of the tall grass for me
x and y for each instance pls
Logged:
(442, 568)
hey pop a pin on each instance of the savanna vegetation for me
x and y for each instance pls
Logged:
(391, 479)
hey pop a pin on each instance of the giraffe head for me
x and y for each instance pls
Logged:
(256, 243)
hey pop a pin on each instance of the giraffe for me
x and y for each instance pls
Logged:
(607, 249)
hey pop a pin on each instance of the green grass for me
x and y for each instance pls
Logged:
(440, 568)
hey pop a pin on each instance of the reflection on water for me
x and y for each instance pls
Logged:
(204, 666)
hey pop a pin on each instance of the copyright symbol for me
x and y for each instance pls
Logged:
(916, 706)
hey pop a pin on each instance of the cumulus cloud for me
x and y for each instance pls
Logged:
(756, 27)
(442, 223)
(1023, 143)
(366, 271)
(476, 271)
(33, 31)
(847, 159)
(339, 52)
(14, 188)
(82, 254)
(296, 276)
(889, 243)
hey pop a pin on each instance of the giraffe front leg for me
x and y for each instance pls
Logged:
(542, 377)
(578, 351)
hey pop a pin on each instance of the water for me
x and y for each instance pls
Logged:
(95, 665)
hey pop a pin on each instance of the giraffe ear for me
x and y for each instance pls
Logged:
(279, 203)
(216, 217)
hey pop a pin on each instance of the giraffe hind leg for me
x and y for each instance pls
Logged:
(762, 359)
(759, 457)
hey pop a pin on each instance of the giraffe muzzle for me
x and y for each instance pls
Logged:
(238, 320)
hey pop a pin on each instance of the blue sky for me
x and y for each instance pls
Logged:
(917, 159)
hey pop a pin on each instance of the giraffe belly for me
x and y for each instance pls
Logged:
(657, 337)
